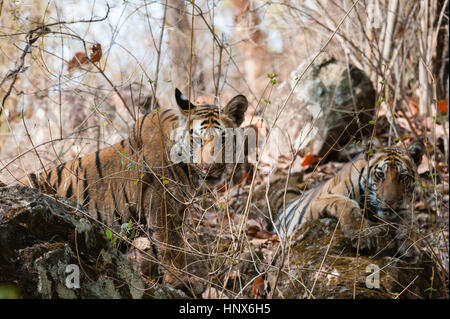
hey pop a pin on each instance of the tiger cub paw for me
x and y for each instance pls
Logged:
(407, 247)
(361, 234)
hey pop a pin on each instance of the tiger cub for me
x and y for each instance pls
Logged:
(383, 184)
(153, 175)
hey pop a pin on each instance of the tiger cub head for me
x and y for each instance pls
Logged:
(392, 175)
(207, 134)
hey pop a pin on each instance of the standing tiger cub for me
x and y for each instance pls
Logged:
(137, 178)
(383, 184)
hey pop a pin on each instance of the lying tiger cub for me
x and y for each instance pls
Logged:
(138, 178)
(384, 184)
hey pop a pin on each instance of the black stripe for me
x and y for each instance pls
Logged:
(126, 197)
(69, 191)
(309, 200)
(140, 126)
(76, 174)
(122, 143)
(206, 122)
(59, 170)
(363, 170)
(210, 107)
(34, 180)
(206, 112)
(114, 200)
(131, 146)
(347, 188)
(165, 112)
(215, 122)
(171, 117)
(85, 190)
(97, 164)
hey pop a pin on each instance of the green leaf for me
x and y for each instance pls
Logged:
(372, 122)
(108, 234)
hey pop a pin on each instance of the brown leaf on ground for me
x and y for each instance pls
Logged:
(420, 206)
(263, 234)
(310, 159)
(258, 287)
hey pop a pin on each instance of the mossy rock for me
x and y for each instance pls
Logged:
(320, 245)
(40, 236)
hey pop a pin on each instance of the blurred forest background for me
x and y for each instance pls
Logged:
(75, 75)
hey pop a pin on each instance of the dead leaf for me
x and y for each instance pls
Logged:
(96, 53)
(263, 234)
(443, 106)
(213, 293)
(258, 287)
(420, 206)
(81, 58)
(310, 159)
(142, 243)
(78, 60)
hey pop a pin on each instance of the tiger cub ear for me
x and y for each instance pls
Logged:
(416, 150)
(235, 109)
(183, 103)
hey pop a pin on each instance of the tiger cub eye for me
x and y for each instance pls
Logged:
(379, 174)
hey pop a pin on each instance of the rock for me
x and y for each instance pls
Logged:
(340, 268)
(324, 109)
(45, 242)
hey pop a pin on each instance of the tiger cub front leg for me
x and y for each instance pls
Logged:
(348, 212)
(407, 238)
(164, 220)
